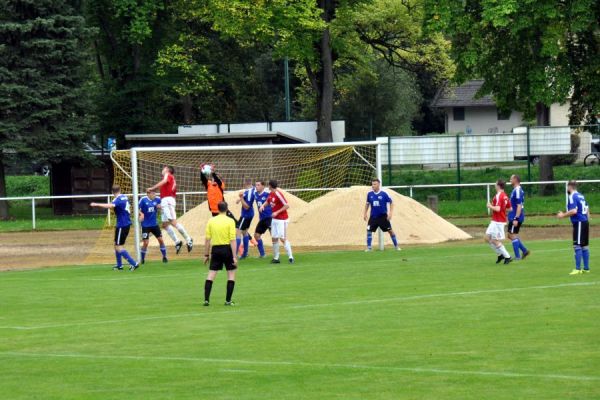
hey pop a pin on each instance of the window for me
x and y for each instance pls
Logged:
(458, 113)
(503, 115)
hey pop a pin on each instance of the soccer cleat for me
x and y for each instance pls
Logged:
(206, 303)
(398, 249)
(190, 245)
(368, 249)
(262, 255)
(165, 260)
(507, 260)
(575, 272)
(178, 246)
(242, 257)
(275, 261)
(526, 254)
(117, 268)
(291, 260)
(143, 261)
(134, 267)
(500, 258)
(229, 303)
(586, 271)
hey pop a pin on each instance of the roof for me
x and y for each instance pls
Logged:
(209, 137)
(463, 96)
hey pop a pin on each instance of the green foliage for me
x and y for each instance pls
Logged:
(34, 185)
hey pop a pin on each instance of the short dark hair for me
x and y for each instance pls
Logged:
(222, 206)
(517, 177)
(273, 183)
(375, 180)
(572, 183)
(247, 181)
(261, 182)
(115, 189)
(171, 169)
(501, 184)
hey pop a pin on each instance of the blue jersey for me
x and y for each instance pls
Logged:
(577, 202)
(149, 208)
(122, 210)
(378, 202)
(261, 198)
(517, 197)
(249, 199)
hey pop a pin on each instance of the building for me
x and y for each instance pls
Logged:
(464, 113)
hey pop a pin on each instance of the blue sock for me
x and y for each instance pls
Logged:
(118, 257)
(369, 239)
(246, 245)
(126, 255)
(238, 242)
(163, 250)
(585, 252)
(394, 240)
(578, 257)
(143, 254)
(516, 248)
(261, 247)
(522, 247)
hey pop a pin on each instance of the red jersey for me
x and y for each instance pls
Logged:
(500, 199)
(277, 202)
(169, 188)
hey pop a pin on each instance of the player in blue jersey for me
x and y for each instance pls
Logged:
(579, 212)
(246, 215)
(516, 217)
(149, 206)
(121, 207)
(265, 216)
(380, 216)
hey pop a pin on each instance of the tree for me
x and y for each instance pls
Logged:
(531, 54)
(42, 98)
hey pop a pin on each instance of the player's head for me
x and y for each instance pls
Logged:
(572, 186)
(168, 169)
(151, 194)
(260, 186)
(222, 207)
(273, 184)
(247, 182)
(515, 180)
(500, 184)
(116, 189)
(376, 184)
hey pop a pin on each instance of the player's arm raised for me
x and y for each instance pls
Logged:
(159, 184)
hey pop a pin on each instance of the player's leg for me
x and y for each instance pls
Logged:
(276, 234)
(231, 268)
(286, 243)
(238, 235)
(585, 248)
(163, 248)
(371, 228)
(119, 259)
(577, 248)
(120, 243)
(210, 278)
(166, 218)
(259, 244)
(177, 225)
(144, 250)
(386, 226)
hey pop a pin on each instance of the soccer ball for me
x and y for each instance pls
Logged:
(206, 170)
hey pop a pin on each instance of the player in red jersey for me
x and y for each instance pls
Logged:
(279, 207)
(495, 231)
(168, 191)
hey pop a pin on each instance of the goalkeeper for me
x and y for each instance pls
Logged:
(215, 189)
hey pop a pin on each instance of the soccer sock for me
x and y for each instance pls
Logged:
(394, 240)
(163, 250)
(261, 247)
(522, 247)
(246, 245)
(288, 249)
(496, 250)
(118, 257)
(238, 242)
(143, 254)
(578, 257)
(172, 234)
(515, 244)
(503, 251)
(126, 256)
(230, 286)
(369, 239)
(585, 252)
(276, 250)
(207, 289)
(183, 232)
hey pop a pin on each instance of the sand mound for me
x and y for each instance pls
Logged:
(336, 219)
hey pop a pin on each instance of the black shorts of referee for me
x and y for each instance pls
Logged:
(221, 256)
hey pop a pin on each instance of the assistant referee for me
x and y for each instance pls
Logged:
(220, 235)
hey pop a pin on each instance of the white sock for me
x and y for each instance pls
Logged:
(288, 249)
(503, 251)
(181, 230)
(496, 250)
(172, 234)
(276, 251)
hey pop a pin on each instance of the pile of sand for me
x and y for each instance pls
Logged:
(336, 219)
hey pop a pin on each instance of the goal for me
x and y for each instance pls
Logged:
(306, 170)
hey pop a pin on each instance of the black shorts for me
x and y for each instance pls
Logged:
(263, 225)
(380, 222)
(244, 223)
(229, 214)
(147, 230)
(514, 229)
(121, 235)
(222, 255)
(581, 234)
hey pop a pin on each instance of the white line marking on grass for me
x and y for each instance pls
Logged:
(442, 371)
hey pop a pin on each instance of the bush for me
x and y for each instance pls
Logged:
(27, 185)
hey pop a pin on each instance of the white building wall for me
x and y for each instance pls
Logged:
(559, 114)
(479, 120)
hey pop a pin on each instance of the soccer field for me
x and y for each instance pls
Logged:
(437, 322)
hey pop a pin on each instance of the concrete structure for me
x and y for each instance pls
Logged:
(464, 113)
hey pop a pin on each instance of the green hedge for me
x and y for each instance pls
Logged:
(27, 185)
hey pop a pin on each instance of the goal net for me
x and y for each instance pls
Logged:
(306, 172)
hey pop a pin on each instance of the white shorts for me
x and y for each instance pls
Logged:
(496, 230)
(279, 228)
(167, 207)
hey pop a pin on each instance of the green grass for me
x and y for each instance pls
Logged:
(440, 322)
(20, 214)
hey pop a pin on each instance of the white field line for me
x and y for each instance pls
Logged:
(360, 367)
(358, 302)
